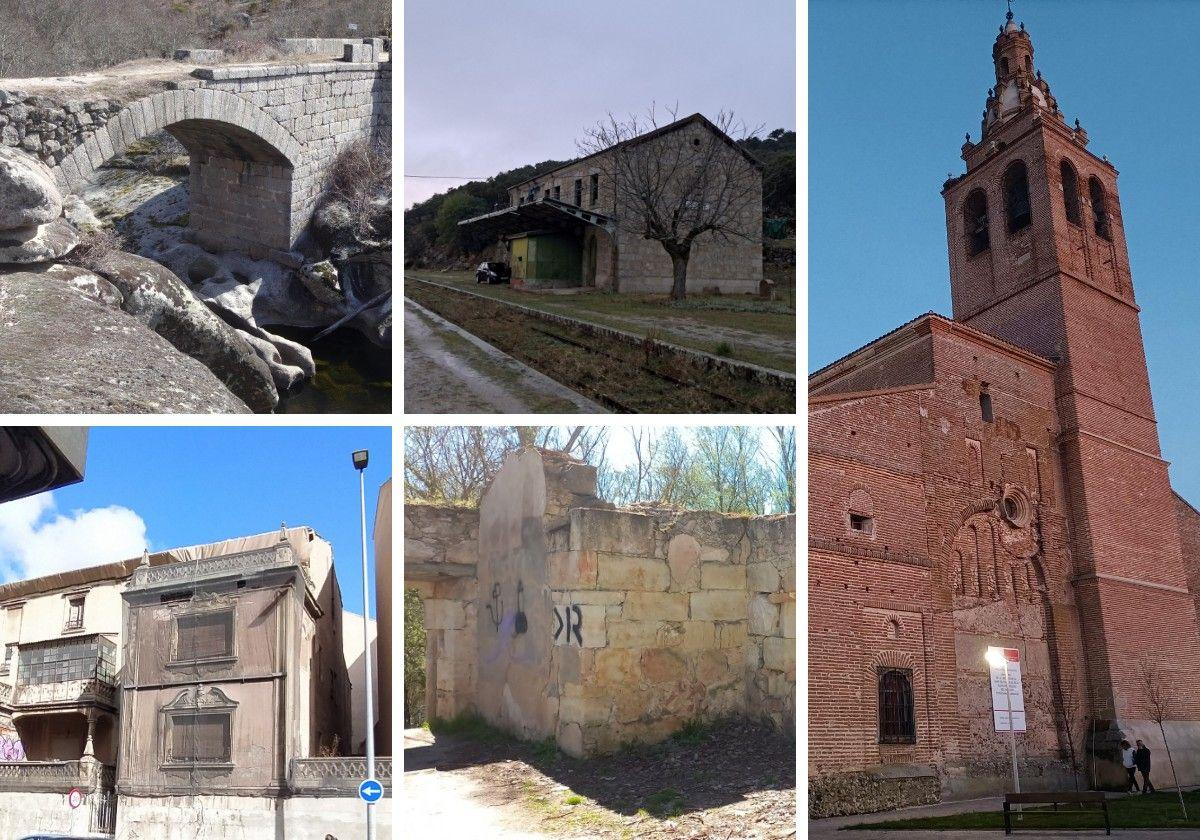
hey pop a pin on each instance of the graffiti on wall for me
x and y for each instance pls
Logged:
(568, 619)
(11, 748)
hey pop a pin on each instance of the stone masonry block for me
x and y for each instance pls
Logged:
(719, 605)
(633, 573)
(762, 577)
(779, 654)
(722, 576)
(445, 615)
(764, 616)
(669, 606)
(633, 634)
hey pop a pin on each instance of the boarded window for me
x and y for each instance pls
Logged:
(1016, 197)
(976, 222)
(595, 189)
(578, 192)
(200, 738)
(74, 613)
(1070, 185)
(1099, 210)
(896, 719)
(204, 635)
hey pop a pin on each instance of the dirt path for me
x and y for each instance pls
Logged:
(734, 782)
(440, 805)
(449, 371)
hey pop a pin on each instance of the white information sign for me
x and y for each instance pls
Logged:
(1008, 697)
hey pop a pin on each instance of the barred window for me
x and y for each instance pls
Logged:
(200, 738)
(207, 635)
(896, 714)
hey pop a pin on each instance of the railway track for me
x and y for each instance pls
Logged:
(621, 376)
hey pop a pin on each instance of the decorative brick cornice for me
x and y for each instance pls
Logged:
(883, 553)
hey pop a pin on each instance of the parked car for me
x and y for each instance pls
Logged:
(493, 272)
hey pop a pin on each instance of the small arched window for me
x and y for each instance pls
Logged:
(1070, 185)
(1016, 197)
(975, 218)
(897, 724)
(1099, 210)
(1004, 67)
(1029, 64)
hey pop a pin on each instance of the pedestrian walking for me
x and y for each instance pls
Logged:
(1127, 760)
(1141, 758)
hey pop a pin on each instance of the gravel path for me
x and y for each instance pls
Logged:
(447, 370)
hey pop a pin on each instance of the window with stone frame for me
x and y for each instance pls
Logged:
(594, 189)
(1017, 208)
(200, 738)
(203, 635)
(897, 712)
(557, 191)
(74, 619)
(10, 656)
(578, 192)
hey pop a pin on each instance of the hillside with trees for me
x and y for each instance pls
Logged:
(56, 37)
(432, 237)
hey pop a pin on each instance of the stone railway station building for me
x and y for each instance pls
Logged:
(995, 479)
(553, 614)
(563, 228)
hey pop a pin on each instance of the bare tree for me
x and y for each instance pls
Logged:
(677, 187)
(1159, 699)
(785, 465)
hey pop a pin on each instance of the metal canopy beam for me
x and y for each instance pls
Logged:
(541, 213)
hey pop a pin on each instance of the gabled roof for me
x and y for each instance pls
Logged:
(929, 320)
(650, 135)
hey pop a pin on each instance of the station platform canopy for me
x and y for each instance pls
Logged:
(540, 214)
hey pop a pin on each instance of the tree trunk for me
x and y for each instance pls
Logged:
(1174, 776)
(679, 263)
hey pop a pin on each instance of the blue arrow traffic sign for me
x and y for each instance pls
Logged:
(370, 791)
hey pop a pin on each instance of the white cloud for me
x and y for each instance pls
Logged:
(37, 540)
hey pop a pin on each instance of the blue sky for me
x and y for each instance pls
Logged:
(174, 487)
(894, 85)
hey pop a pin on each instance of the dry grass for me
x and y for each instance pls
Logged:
(97, 249)
(360, 179)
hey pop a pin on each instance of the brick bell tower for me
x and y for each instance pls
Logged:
(1038, 258)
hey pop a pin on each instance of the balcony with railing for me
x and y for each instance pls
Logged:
(66, 673)
(185, 572)
(339, 776)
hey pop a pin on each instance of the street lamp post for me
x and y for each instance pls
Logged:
(360, 458)
(997, 659)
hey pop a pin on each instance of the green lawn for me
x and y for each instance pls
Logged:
(737, 326)
(1158, 810)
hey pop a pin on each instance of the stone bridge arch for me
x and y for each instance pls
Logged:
(244, 165)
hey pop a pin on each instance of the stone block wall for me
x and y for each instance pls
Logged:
(597, 626)
(665, 617)
(441, 546)
(47, 128)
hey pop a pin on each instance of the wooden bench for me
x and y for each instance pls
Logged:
(1054, 798)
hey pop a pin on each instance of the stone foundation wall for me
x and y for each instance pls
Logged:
(227, 201)
(27, 813)
(733, 267)
(866, 792)
(238, 817)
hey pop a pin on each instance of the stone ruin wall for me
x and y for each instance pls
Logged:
(633, 622)
(441, 549)
(674, 617)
